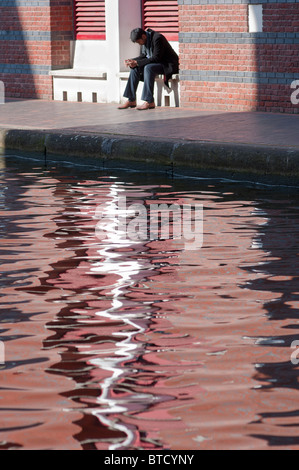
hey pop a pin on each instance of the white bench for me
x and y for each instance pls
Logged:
(76, 84)
(91, 85)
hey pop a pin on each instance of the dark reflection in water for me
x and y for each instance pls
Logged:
(121, 344)
(280, 239)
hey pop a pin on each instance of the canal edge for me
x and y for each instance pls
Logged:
(171, 153)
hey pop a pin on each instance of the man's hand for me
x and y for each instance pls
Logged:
(131, 63)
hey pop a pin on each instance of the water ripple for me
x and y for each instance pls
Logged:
(113, 343)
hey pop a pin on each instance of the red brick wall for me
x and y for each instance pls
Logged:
(62, 24)
(33, 40)
(218, 18)
(27, 86)
(281, 17)
(223, 66)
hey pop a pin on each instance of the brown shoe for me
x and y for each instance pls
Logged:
(128, 104)
(146, 105)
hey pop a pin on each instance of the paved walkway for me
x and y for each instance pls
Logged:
(263, 131)
(279, 130)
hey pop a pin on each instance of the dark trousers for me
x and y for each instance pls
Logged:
(150, 73)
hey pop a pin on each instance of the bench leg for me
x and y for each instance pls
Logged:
(159, 84)
(174, 87)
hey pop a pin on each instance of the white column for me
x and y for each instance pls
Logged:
(121, 17)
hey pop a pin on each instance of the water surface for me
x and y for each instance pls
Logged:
(146, 345)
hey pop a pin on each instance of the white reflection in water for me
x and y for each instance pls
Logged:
(128, 271)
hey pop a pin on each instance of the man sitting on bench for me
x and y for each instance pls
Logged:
(157, 58)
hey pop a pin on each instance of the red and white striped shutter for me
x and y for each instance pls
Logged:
(90, 19)
(162, 16)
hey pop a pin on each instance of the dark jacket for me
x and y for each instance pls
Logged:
(161, 53)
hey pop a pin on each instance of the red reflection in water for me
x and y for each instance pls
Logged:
(125, 345)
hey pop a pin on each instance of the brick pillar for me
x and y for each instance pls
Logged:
(35, 36)
(227, 65)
